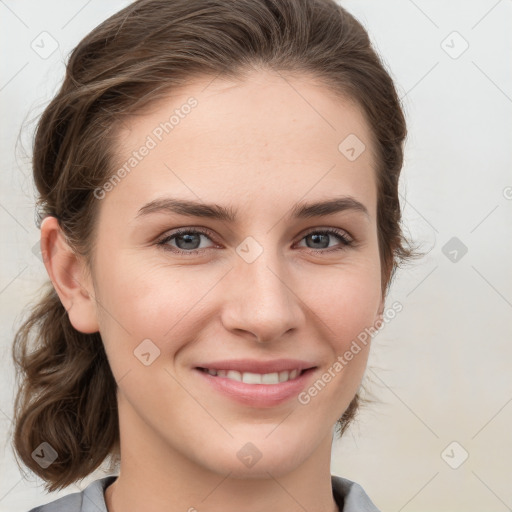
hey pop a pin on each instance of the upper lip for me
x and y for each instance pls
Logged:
(253, 366)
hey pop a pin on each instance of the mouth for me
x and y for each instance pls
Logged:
(257, 382)
(260, 390)
(257, 378)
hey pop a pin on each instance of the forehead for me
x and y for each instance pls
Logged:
(266, 134)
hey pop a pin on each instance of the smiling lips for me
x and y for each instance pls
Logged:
(255, 378)
(252, 371)
(257, 383)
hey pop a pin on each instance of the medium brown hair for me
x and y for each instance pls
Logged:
(67, 392)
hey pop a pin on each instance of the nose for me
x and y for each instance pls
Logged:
(260, 302)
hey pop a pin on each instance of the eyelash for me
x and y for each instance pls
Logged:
(345, 240)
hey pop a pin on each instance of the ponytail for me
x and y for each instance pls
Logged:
(65, 410)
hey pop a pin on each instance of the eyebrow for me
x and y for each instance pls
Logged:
(215, 211)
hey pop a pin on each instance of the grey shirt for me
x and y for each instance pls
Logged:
(349, 496)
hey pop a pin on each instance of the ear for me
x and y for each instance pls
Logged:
(69, 275)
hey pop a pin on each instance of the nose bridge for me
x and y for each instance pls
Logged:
(262, 301)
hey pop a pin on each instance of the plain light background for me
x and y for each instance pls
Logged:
(439, 438)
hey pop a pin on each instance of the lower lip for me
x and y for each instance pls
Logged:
(258, 395)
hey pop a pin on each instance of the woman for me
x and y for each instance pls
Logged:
(218, 186)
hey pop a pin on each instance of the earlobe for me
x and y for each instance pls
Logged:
(71, 281)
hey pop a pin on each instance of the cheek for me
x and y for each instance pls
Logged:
(346, 301)
(140, 302)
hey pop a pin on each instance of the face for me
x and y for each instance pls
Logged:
(242, 282)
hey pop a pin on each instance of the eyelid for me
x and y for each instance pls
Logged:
(161, 240)
(347, 240)
(331, 230)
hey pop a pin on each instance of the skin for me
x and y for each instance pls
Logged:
(179, 436)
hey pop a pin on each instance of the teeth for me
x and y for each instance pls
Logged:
(255, 378)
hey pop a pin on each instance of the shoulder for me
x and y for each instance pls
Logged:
(92, 498)
(350, 496)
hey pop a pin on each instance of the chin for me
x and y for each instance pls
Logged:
(277, 467)
(254, 457)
